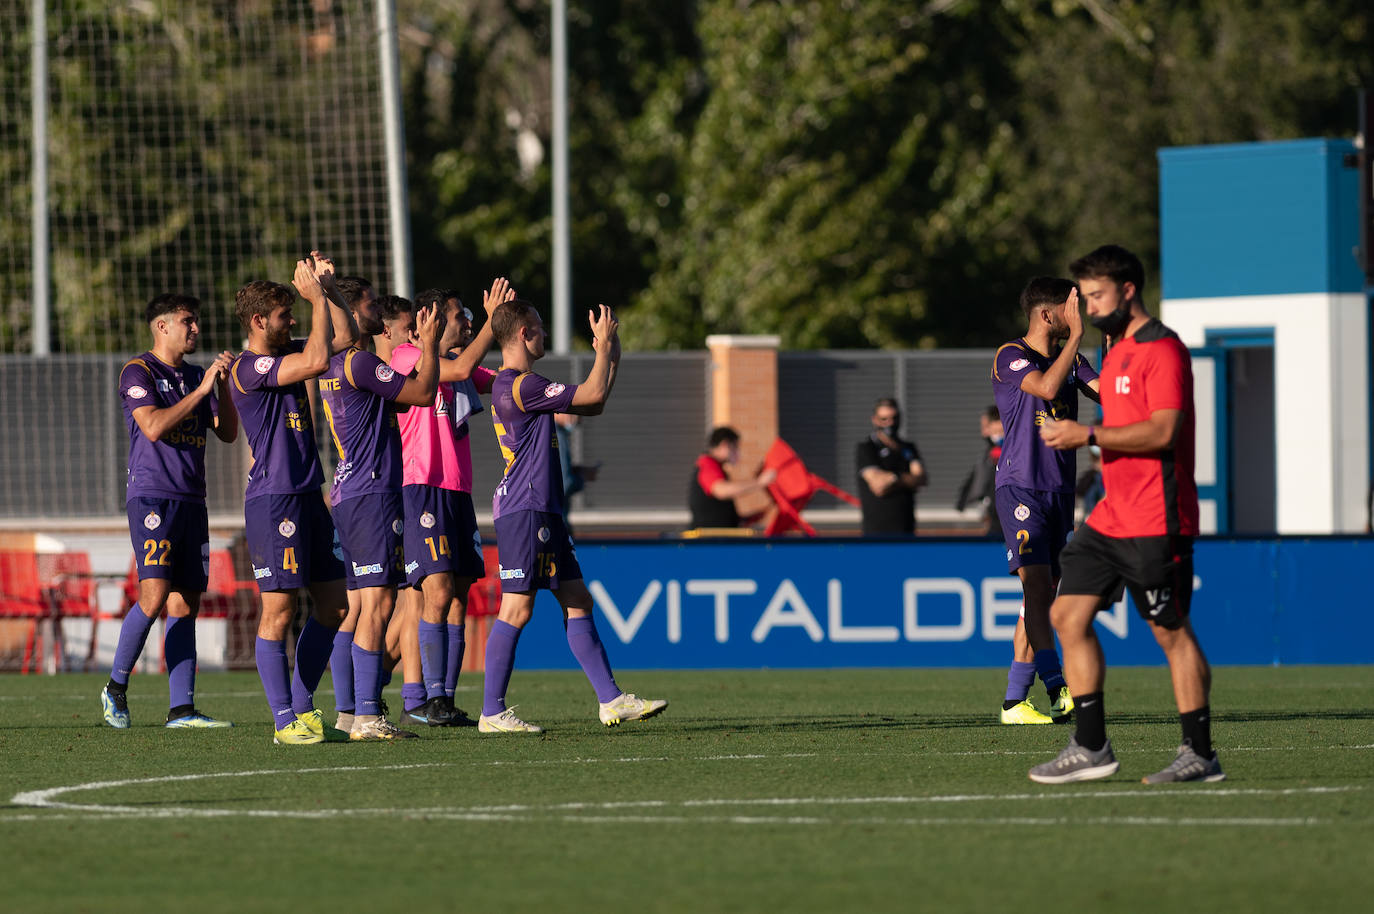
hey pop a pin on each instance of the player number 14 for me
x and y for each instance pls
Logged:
(442, 550)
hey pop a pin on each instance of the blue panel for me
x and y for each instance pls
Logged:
(936, 603)
(1258, 219)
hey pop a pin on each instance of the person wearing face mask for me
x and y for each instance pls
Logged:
(1037, 379)
(980, 484)
(890, 472)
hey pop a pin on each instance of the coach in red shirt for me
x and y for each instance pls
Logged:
(1140, 535)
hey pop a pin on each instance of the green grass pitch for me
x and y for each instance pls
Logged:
(786, 791)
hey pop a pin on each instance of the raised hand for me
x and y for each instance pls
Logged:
(1073, 315)
(499, 293)
(307, 283)
(604, 326)
(324, 269)
(427, 326)
(218, 370)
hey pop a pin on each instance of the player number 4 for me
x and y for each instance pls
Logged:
(288, 559)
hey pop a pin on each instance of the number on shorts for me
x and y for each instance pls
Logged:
(288, 559)
(153, 546)
(442, 550)
(1023, 537)
(546, 566)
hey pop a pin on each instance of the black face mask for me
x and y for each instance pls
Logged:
(889, 430)
(1113, 322)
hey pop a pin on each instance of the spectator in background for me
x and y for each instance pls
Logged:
(575, 475)
(711, 493)
(980, 485)
(890, 472)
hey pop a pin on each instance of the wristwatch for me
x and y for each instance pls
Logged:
(1092, 436)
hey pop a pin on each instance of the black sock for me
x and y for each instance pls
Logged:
(1092, 721)
(1009, 704)
(180, 711)
(1197, 730)
(116, 687)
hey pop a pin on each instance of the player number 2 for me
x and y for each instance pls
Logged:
(1023, 538)
(151, 558)
(442, 550)
(288, 559)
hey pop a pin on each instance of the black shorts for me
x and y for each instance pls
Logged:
(1158, 571)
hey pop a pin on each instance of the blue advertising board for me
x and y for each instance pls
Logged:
(934, 603)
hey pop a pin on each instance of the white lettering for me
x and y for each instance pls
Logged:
(1114, 621)
(776, 614)
(625, 629)
(674, 612)
(856, 633)
(912, 588)
(722, 589)
(1001, 602)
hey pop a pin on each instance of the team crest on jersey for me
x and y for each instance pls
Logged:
(138, 393)
(426, 520)
(385, 373)
(286, 528)
(153, 520)
(1019, 364)
(553, 389)
(397, 527)
(543, 534)
(263, 364)
(1021, 512)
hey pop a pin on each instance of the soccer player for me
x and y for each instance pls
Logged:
(169, 405)
(290, 534)
(1033, 383)
(443, 547)
(527, 508)
(357, 392)
(1141, 533)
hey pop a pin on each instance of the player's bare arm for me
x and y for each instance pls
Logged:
(344, 326)
(1148, 436)
(154, 422)
(226, 420)
(591, 395)
(1046, 384)
(420, 388)
(734, 488)
(915, 476)
(879, 481)
(313, 360)
(460, 369)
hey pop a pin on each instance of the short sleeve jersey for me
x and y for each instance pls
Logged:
(276, 422)
(435, 447)
(357, 391)
(1026, 461)
(174, 466)
(522, 405)
(1148, 494)
(894, 512)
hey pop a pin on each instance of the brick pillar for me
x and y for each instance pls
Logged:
(744, 395)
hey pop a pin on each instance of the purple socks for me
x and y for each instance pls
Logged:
(412, 695)
(500, 662)
(132, 633)
(433, 657)
(587, 648)
(341, 671)
(312, 656)
(456, 645)
(179, 650)
(1019, 679)
(276, 680)
(367, 680)
(1051, 674)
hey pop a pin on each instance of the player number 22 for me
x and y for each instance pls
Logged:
(1023, 538)
(151, 558)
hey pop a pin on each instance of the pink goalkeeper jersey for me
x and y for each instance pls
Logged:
(435, 450)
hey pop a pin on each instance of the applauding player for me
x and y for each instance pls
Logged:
(169, 405)
(531, 538)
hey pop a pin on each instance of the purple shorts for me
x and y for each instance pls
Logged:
(441, 534)
(1035, 525)
(291, 541)
(536, 552)
(172, 541)
(370, 528)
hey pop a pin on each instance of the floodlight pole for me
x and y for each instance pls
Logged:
(394, 129)
(562, 268)
(42, 293)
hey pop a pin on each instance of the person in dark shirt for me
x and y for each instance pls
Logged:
(711, 493)
(890, 472)
(980, 484)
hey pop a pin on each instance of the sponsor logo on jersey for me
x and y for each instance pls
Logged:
(263, 364)
(1019, 364)
(374, 568)
(260, 573)
(286, 528)
(385, 373)
(411, 566)
(1021, 512)
(164, 385)
(554, 389)
(153, 520)
(426, 520)
(138, 393)
(508, 574)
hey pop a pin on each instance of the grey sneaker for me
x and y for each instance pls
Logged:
(344, 722)
(367, 728)
(1076, 763)
(1188, 766)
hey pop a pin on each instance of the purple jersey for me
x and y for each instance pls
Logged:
(173, 467)
(276, 421)
(522, 407)
(1027, 462)
(357, 391)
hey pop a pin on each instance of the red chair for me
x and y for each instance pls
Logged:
(128, 596)
(793, 489)
(22, 597)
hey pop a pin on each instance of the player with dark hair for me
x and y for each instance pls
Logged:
(169, 405)
(535, 549)
(357, 392)
(1033, 384)
(289, 531)
(1141, 533)
(443, 547)
(711, 493)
